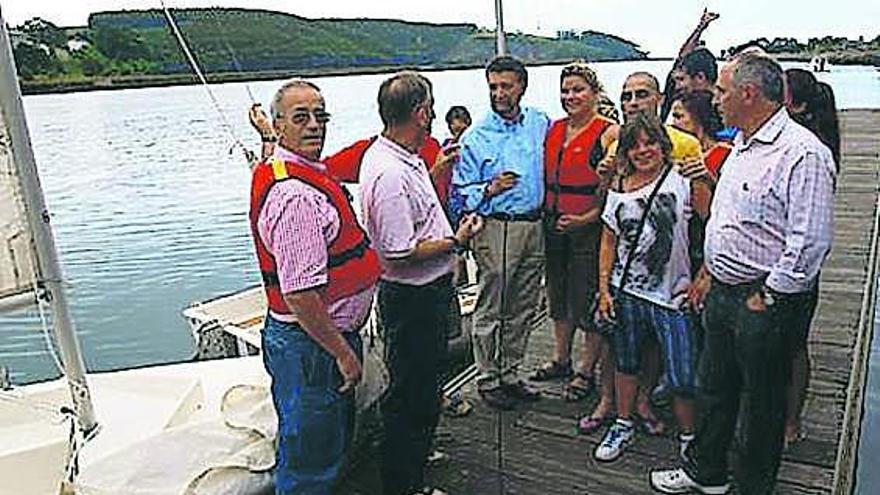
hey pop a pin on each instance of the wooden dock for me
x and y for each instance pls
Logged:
(542, 453)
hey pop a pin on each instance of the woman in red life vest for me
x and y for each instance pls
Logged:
(574, 147)
(694, 113)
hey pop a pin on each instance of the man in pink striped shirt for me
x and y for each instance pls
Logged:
(415, 242)
(319, 275)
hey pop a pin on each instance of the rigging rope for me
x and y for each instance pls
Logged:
(200, 74)
(231, 52)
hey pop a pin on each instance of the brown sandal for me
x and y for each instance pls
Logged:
(579, 388)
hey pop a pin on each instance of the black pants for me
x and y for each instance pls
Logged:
(743, 371)
(416, 322)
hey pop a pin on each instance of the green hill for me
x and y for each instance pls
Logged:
(248, 43)
(262, 40)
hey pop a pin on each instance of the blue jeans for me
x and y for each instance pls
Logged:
(741, 394)
(315, 422)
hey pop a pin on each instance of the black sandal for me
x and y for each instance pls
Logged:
(552, 371)
(574, 391)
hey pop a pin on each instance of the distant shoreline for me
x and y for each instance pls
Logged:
(166, 80)
(158, 81)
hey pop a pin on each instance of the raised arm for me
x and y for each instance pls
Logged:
(263, 125)
(693, 40)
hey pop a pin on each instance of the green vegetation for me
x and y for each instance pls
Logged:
(837, 50)
(124, 46)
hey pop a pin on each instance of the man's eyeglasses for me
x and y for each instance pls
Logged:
(639, 94)
(301, 117)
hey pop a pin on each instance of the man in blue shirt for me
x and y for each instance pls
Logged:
(500, 176)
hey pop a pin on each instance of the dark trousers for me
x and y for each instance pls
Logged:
(742, 376)
(415, 321)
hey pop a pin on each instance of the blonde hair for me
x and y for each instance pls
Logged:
(581, 69)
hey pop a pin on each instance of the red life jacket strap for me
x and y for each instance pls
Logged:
(589, 190)
(357, 251)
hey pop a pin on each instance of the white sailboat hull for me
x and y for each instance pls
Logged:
(163, 430)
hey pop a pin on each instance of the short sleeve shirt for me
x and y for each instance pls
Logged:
(660, 270)
(401, 209)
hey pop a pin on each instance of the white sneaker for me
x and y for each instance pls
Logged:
(684, 442)
(617, 438)
(678, 481)
(430, 491)
(437, 456)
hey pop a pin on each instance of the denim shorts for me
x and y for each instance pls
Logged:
(641, 319)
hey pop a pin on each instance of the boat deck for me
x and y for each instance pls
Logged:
(542, 453)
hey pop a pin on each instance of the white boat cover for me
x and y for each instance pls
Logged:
(230, 454)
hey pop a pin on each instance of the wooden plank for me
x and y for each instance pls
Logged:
(543, 453)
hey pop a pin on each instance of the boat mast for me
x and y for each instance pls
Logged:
(44, 242)
(500, 41)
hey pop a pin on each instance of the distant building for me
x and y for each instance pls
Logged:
(567, 34)
(76, 44)
(17, 37)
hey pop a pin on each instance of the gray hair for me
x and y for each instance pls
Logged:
(275, 107)
(761, 71)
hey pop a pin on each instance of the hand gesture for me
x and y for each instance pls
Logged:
(447, 156)
(606, 167)
(469, 226)
(567, 222)
(698, 290)
(606, 306)
(260, 121)
(502, 182)
(693, 168)
(708, 17)
(350, 369)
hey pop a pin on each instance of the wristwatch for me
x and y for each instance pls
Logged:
(769, 296)
(457, 247)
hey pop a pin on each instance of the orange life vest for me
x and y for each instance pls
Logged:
(715, 157)
(352, 265)
(570, 176)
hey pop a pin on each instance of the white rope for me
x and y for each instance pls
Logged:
(195, 67)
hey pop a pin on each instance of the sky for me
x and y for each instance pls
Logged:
(657, 26)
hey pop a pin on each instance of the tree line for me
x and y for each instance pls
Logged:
(118, 43)
(841, 48)
(42, 49)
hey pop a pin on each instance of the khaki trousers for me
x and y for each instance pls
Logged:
(509, 296)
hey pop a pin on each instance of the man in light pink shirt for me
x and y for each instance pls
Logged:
(319, 274)
(410, 230)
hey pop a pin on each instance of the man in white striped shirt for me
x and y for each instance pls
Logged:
(769, 232)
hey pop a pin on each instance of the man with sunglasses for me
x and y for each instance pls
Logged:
(417, 247)
(641, 94)
(319, 275)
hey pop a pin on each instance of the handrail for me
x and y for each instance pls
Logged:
(848, 445)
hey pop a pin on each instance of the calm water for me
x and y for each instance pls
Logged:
(868, 479)
(149, 208)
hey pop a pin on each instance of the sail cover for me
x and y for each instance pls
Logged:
(18, 264)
